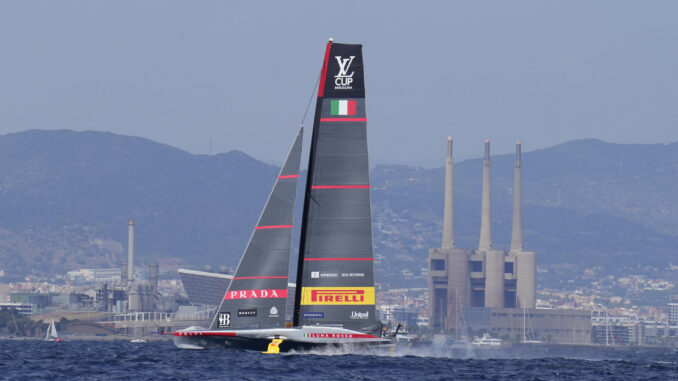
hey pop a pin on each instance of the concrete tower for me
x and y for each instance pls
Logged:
(485, 228)
(517, 231)
(130, 252)
(153, 276)
(448, 211)
(123, 274)
(526, 266)
(494, 259)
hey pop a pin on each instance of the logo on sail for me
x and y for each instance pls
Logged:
(359, 315)
(273, 312)
(255, 294)
(337, 295)
(248, 312)
(313, 315)
(224, 319)
(343, 80)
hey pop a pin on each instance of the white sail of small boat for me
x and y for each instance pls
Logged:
(52, 334)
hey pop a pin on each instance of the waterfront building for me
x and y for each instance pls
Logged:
(484, 277)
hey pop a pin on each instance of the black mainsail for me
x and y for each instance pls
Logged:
(335, 274)
(257, 294)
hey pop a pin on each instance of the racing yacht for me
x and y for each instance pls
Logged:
(334, 299)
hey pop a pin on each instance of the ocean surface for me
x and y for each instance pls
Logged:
(160, 360)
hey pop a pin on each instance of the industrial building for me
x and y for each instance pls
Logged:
(488, 289)
(672, 313)
(486, 276)
(131, 295)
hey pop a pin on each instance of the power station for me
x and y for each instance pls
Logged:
(484, 277)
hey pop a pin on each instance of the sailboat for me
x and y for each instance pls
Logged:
(52, 334)
(334, 299)
(527, 324)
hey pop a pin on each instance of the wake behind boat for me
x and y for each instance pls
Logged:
(334, 303)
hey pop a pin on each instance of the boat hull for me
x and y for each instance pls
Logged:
(301, 338)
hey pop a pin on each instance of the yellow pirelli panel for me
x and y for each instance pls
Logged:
(337, 296)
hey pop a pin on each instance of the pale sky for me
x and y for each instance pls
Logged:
(239, 74)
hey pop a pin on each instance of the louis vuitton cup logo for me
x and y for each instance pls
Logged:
(343, 80)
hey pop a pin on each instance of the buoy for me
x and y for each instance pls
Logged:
(273, 346)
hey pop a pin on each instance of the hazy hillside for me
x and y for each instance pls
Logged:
(73, 192)
(67, 196)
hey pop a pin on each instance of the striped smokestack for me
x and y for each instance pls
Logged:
(517, 231)
(448, 219)
(485, 228)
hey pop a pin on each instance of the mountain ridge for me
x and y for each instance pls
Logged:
(67, 196)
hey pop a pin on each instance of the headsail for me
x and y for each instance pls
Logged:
(51, 332)
(257, 295)
(335, 278)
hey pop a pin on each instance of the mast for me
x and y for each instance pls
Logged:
(335, 272)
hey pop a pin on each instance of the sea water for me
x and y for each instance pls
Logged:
(160, 360)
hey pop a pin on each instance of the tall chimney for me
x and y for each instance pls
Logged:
(123, 274)
(130, 251)
(448, 219)
(153, 276)
(485, 228)
(517, 232)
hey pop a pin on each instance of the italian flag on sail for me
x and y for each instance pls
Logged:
(342, 107)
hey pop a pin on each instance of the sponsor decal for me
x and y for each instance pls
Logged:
(313, 315)
(255, 294)
(337, 295)
(339, 336)
(324, 274)
(249, 312)
(352, 275)
(342, 107)
(356, 315)
(273, 312)
(343, 80)
(224, 319)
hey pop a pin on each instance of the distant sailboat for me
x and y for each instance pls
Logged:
(335, 294)
(52, 334)
(527, 324)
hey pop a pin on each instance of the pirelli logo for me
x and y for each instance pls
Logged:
(337, 295)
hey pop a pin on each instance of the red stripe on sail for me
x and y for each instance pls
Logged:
(338, 259)
(351, 108)
(323, 72)
(288, 176)
(274, 227)
(340, 187)
(260, 277)
(343, 119)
